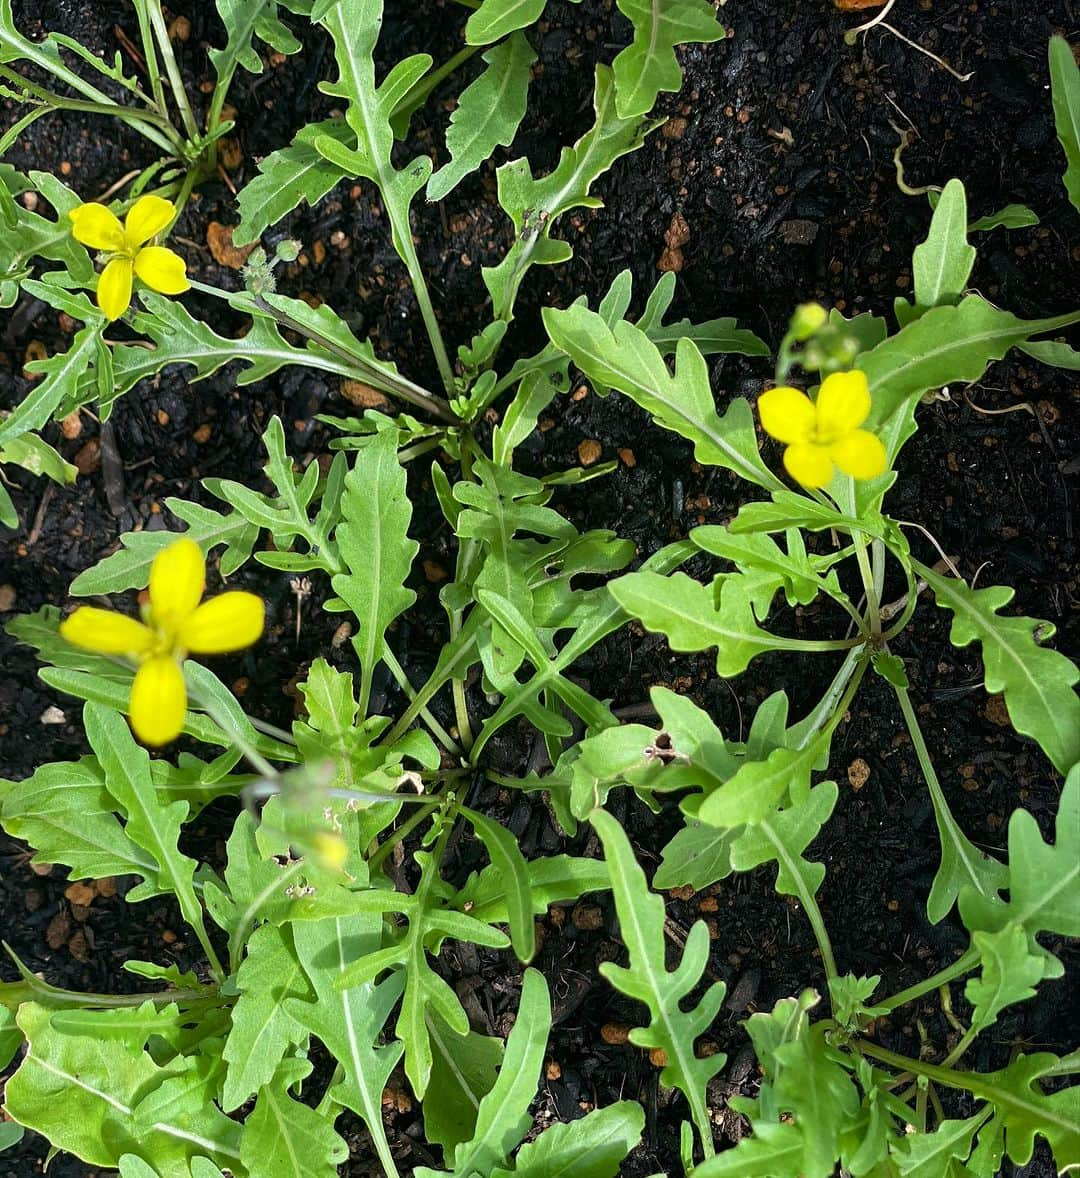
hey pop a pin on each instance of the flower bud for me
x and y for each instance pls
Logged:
(807, 319)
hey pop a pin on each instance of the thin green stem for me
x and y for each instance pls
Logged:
(873, 606)
(403, 236)
(440, 733)
(261, 764)
(938, 1073)
(962, 965)
(948, 829)
(101, 102)
(418, 96)
(877, 555)
(462, 657)
(191, 178)
(273, 730)
(958, 1052)
(401, 833)
(150, 53)
(172, 69)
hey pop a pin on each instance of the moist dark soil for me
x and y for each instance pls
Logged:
(778, 158)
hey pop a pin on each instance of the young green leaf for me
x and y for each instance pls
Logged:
(354, 26)
(100, 1097)
(594, 1146)
(1010, 217)
(285, 1138)
(493, 19)
(535, 205)
(942, 263)
(551, 880)
(63, 373)
(376, 549)
(349, 1020)
(262, 1029)
(1025, 1111)
(649, 65)
(697, 856)
(153, 827)
(35, 455)
(671, 1028)
(503, 1117)
(129, 566)
(928, 1155)
(463, 1071)
(65, 813)
(1043, 880)
(775, 1150)
(1065, 85)
(624, 358)
(286, 177)
(244, 20)
(1010, 973)
(28, 235)
(488, 113)
(947, 344)
(783, 838)
(1038, 682)
(694, 617)
(508, 861)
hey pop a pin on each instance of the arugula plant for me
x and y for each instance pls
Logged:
(325, 922)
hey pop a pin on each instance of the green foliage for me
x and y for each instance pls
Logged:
(488, 113)
(246, 20)
(649, 64)
(942, 263)
(671, 1029)
(376, 550)
(1065, 84)
(1037, 682)
(624, 358)
(534, 205)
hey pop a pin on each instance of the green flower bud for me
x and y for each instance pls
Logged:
(807, 319)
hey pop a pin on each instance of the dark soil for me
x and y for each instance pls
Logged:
(779, 157)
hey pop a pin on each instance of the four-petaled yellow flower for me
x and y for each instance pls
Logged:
(174, 625)
(823, 433)
(162, 270)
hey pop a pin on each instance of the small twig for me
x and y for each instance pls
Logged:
(118, 184)
(851, 35)
(926, 53)
(996, 412)
(39, 517)
(904, 523)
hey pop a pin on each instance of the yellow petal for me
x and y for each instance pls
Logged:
(809, 464)
(146, 218)
(859, 454)
(114, 288)
(843, 403)
(229, 622)
(107, 632)
(177, 580)
(162, 270)
(96, 226)
(158, 700)
(787, 415)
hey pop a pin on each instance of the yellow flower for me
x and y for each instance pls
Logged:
(823, 433)
(174, 625)
(162, 270)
